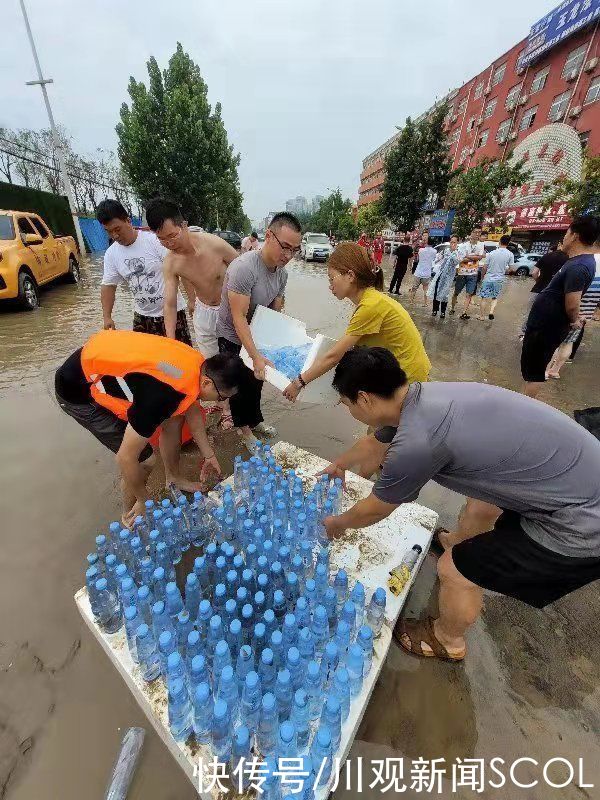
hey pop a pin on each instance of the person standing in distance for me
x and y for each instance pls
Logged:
(250, 242)
(494, 270)
(256, 278)
(136, 258)
(404, 255)
(470, 254)
(424, 269)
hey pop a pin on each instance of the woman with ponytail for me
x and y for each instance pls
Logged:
(378, 321)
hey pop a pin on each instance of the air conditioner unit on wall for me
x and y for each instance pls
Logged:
(454, 117)
(591, 64)
(523, 99)
(575, 112)
(570, 76)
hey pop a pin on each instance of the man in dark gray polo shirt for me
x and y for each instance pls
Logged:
(537, 466)
(256, 278)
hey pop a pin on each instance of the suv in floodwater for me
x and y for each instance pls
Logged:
(315, 247)
(31, 256)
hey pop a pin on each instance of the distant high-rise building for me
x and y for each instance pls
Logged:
(316, 202)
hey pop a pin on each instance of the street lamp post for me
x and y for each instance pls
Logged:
(42, 83)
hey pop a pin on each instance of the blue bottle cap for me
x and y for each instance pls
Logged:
(305, 634)
(161, 548)
(193, 638)
(289, 621)
(238, 563)
(380, 594)
(111, 560)
(269, 616)
(262, 579)
(164, 640)
(202, 692)
(158, 608)
(220, 590)
(349, 607)
(293, 656)
(211, 549)
(198, 663)
(260, 630)
(215, 622)
(268, 702)
(227, 674)
(276, 567)
(231, 576)
(142, 631)
(276, 638)
(199, 563)
(136, 542)
(292, 578)
(321, 614)
(241, 595)
(248, 524)
(204, 607)
(121, 570)
(143, 592)
(330, 593)
(300, 698)
(247, 611)
(100, 540)
(220, 709)
(343, 629)
(341, 675)
(159, 574)
(259, 598)
(356, 652)
(171, 588)
(127, 583)
(278, 597)
(287, 731)
(191, 580)
(235, 627)
(310, 585)
(220, 562)
(313, 669)
(90, 574)
(302, 603)
(284, 677)
(221, 648)
(321, 569)
(267, 656)
(173, 660)
(366, 633)
(230, 606)
(115, 527)
(168, 523)
(101, 584)
(242, 737)
(331, 650)
(130, 612)
(252, 680)
(324, 737)
(333, 704)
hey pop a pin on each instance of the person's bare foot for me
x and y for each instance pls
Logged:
(183, 484)
(444, 537)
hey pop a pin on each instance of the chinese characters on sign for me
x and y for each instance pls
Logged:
(562, 22)
(536, 218)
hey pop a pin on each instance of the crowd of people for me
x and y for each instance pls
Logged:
(531, 525)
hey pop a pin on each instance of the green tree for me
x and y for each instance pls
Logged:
(172, 143)
(370, 219)
(331, 216)
(582, 196)
(417, 168)
(478, 191)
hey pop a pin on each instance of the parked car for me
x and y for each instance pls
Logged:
(31, 256)
(524, 265)
(315, 247)
(231, 237)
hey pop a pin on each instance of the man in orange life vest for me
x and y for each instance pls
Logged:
(123, 386)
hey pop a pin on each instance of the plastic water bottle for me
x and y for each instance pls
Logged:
(268, 547)
(376, 611)
(259, 602)
(221, 659)
(102, 548)
(241, 597)
(357, 595)
(313, 685)
(355, 666)
(173, 600)
(159, 583)
(237, 474)
(114, 529)
(248, 581)
(284, 694)
(220, 598)
(216, 634)
(205, 614)
(330, 603)
(278, 532)
(250, 704)
(322, 755)
(203, 713)
(332, 718)
(147, 654)
(302, 613)
(230, 613)
(183, 627)
(307, 778)
(292, 589)
(167, 644)
(109, 610)
(193, 647)
(198, 672)
(259, 637)
(154, 537)
(228, 691)
(244, 664)
(161, 621)
(342, 639)
(329, 664)
(264, 586)
(163, 560)
(270, 621)
(300, 718)
(294, 666)
(279, 605)
(128, 592)
(271, 788)
(146, 570)
(92, 576)
(306, 553)
(320, 630)
(365, 640)
(240, 756)
(133, 620)
(341, 688)
(180, 711)
(137, 553)
(310, 592)
(306, 646)
(221, 732)
(176, 668)
(192, 595)
(210, 554)
(288, 743)
(324, 556)
(277, 576)
(348, 615)
(267, 670)
(340, 584)
(268, 726)
(247, 623)
(321, 581)
(289, 631)
(111, 565)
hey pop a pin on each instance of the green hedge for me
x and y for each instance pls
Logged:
(53, 208)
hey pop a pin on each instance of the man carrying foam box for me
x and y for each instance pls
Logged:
(256, 278)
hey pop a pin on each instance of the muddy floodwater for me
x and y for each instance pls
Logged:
(528, 688)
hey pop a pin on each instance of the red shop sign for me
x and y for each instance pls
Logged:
(535, 218)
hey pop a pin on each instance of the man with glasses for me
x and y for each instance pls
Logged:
(133, 391)
(256, 278)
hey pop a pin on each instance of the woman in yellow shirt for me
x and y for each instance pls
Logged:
(378, 321)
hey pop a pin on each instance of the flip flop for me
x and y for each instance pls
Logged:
(420, 632)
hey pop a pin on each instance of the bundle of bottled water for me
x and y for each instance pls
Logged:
(265, 649)
(289, 359)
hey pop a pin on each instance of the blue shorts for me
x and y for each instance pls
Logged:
(466, 282)
(491, 289)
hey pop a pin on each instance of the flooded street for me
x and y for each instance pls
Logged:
(530, 684)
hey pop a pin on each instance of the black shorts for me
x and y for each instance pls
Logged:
(103, 424)
(537, 352)
(507, 561)
(156, 326)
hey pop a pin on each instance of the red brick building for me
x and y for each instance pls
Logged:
(496, 111)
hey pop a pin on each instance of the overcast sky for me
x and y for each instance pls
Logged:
(308, 88)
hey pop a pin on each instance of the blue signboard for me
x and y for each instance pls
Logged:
(441, 223)
(566, 19)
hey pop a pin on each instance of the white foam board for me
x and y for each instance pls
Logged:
(367, 555)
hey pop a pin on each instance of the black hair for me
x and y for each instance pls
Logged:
(284, 218)
(504, 240)
(110, 209)
(587, 227)
(254, 235)
(159, 210)
(368, 369)
(227, 370)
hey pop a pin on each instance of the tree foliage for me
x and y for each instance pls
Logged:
(371, 219)
(417, 169)
(333, 216)
(478, 192)
(582, 196)
(173, 143)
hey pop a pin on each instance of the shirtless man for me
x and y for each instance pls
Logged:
(200, 260)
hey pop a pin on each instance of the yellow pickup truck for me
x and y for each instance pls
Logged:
(30, 256)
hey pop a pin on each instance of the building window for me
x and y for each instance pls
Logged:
(471, 124)
(574, 60)
(454, 136)
(462, 106)
(482, 141)
(513, 95)
(490, 108)
(463, 154)
(593, 93)
(528, 118)
(559, 106)
(498, 74)
(478, 90)
(539, 80)
(503, 130)
(584, 138)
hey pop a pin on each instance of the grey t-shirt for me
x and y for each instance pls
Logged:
(504, 448)
(248, 274)
(496, 263)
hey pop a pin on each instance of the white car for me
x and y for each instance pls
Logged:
(315, 247)
(524, 265)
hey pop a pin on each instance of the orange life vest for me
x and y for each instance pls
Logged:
(117, 353)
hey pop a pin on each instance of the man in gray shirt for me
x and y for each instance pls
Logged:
(494, 273)
(256, 278)
(524, 464)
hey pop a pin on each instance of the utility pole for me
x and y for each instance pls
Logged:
(42, 83)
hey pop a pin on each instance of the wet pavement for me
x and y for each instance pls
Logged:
(530, 684)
